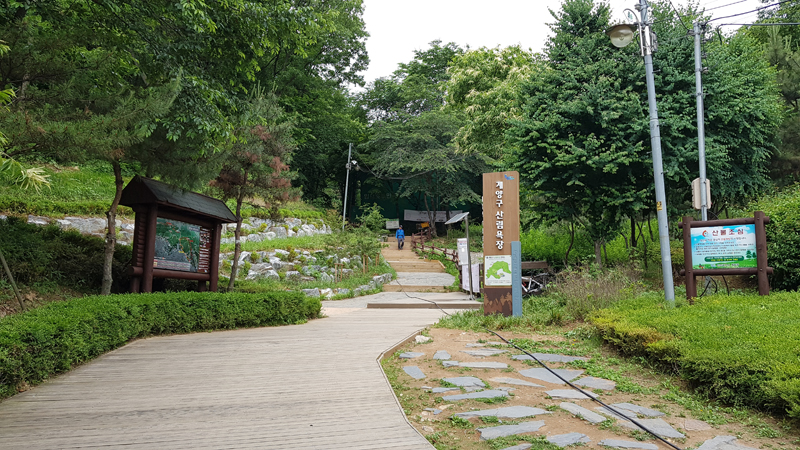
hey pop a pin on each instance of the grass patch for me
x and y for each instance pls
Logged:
(739, 349)
(52, 339)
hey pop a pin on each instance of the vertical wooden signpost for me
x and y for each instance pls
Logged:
(725, 247)
(500, 228)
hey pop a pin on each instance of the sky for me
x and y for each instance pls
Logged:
(398, 27)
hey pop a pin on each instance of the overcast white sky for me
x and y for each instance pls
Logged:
(398, 27)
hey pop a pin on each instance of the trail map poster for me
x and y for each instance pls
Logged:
(498, 270)
(726, 247)
(181, 246)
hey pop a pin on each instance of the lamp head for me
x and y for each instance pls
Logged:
(620, 35)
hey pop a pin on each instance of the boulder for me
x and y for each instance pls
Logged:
(281, 252)
(326, 278)
(269, 235)
(327, 293)
(292, 275)
(311, 292)
(292, 222)
(280, 232)
(262, 272)
(244, 256)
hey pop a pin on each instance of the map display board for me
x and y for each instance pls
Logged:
(182, 246)
(498, 270)
(725, 247)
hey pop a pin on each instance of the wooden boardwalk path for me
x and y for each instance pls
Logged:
(309, 386)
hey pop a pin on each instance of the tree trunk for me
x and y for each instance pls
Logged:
(633, 232)
(11, 280)
(431, 218)
(111, 236)
(605, 252)
(237, 249)
(644, 244)
(597, 256)
(571, 243)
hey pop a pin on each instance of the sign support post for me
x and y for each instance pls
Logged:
(500, 228)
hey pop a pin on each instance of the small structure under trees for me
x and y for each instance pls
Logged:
(177, 234)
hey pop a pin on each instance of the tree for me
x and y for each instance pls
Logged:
(485, 84)
(255, 167)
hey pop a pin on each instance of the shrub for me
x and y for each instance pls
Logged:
(39, 343)
(372, 218)
(783, 235)
(585, 290)
(740, 349)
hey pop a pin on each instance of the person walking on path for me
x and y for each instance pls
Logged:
(400, 235)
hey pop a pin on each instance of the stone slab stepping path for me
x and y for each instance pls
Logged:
(510, 412)
(641, 410)
(410, 355)
(623, 414)
(465, 381)
(519, 447)
(617, 443)
(510, 430)
(414, 372)
(484, 365)
(480, 353)
(549, 357)
(563, 440)
(569, 393)
(442, 355)
(435, 411)
(515, 382)
(473, 395)
(657, 426)
(546, 376)
(596, 383)
(583, 413)
(450, 363)
(441, 390)
(723, 443)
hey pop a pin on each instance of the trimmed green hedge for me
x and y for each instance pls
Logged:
(52, 339)
(742, 350)
(783, 235)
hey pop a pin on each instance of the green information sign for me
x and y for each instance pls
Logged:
(181, 246)
(725, 247)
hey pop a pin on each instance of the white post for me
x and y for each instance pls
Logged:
(701, 128)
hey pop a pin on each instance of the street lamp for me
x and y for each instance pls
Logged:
(622, 35)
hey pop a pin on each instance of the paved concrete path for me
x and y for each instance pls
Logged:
(316, 385)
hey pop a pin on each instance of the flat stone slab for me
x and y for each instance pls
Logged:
(549, 357)
(441, 390)
(623, 414)
(410, 355)
(519, 447)
(475, 345)
(638, 409)
(657, 426)
(484, 365)
(511, 412)
(449, 363)
(596, 383)
(617, 443)
(694, 425)
(583, 413)
(510, 430)
(484, 352)
(473, 395)
(414, 372)
(435, 411)
(547, 377)
(442, 355)
(465, 381)
(563, 440)
(723, 443)
(515, 381)
(569, 393)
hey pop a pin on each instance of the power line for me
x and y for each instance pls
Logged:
(680, 19)
(723, 6)
(755, 10)
(757, 24)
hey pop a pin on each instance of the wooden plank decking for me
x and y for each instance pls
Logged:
(316, 385)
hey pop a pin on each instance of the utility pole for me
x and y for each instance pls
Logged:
(701, 127)
(346, 185)
(648, 46)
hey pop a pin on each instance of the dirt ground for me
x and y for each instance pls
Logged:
(637, 384)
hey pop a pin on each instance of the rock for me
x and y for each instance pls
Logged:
(618, 443)
(290, 233)
(307, 279)
(428, 429)
(723, 443)
(311, 292)
(694, 425)
(510, 430)
(519, 447)
(435, 411)
(514, 381)
(280, 232)
(293, 222)
(465, 381)
(40, 220)
(270, 235)
(549, 357)
(287, 266)
(3, 217)
(327, 293)
(484, 352)
(365, 288)
(410, 355)
(256, 237)
(596, 383)
(420, 339)
(546, 376)
(623, 414)
(569, 393)
(378, 279)
(638, 409)
(475, 345)
(657, 426)
(442, 390)
(511, 412)
(441, 355)
(347, 272)
(244, 257)
(292, 275)
(276, 262)
(484, 365)
(342, 291)
(473, 395)
(563, 440)
(414, 372)
(449, 363)
(583, 413)
(261, 272)
(345, 261)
